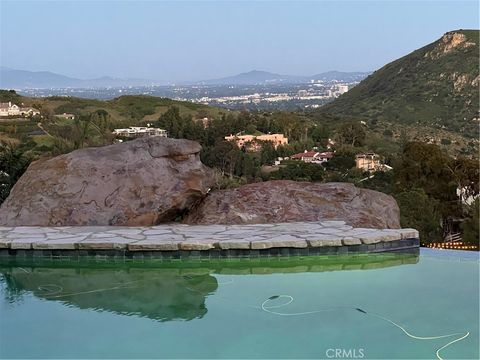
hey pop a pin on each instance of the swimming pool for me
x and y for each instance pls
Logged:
(374, 306)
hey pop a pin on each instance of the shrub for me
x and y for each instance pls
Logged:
(298, 171)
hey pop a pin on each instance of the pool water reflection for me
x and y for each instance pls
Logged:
(221, 309)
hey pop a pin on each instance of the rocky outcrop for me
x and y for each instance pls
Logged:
(142, 182)
(287, 201)
(449, 42)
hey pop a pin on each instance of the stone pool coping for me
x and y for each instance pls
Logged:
(178, 240)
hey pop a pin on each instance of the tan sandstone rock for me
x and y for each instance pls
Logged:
(288, 201)
(137, 183)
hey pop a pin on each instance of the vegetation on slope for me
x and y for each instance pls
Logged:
(435, 87)
(93, 123)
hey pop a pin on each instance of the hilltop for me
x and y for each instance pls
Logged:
(127, 108)
(434, 87)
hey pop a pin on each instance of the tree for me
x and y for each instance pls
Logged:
(298, 171)
(267, 153)
(171, 121)
(427, 167)
(251, 129)
(224, 155)
(465, 173)
(82, 131)
(421, 212)
(383, 181)
(13, 163)
(249, 166)
(293, 126)
(342, 161)
(102, 120)
(320, 135)
(351, 133)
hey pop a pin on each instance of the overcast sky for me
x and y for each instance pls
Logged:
(174, 41)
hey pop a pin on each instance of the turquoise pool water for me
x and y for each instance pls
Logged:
(327, 308)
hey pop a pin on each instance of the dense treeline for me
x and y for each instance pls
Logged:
(424, 182)
(239, 163)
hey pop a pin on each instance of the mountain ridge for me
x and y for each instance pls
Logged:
(14, 78)
(435, 85)
(24, 79)
(258, 77)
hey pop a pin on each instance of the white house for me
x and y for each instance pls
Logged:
(9, 109)
(313, 156)
(139, 131)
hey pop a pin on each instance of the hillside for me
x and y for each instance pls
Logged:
(41, 133)
(138, 108)
(435, 86)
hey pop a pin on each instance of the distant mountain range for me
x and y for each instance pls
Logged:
(256, 77)
(23, 79)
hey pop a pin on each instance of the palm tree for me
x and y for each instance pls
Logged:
(13, 163)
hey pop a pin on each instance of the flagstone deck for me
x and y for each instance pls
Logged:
(178, 241)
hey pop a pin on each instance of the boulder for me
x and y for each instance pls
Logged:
(136, 183)
(288, 201)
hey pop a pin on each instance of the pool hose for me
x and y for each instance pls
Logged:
(334, 308)
(55, 291)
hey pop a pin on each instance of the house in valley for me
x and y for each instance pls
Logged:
(370, 162)
(253, 142)
(139, 131)
(314, 157)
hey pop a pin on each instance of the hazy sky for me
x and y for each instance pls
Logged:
(195, 40)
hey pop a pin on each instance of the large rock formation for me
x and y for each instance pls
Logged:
(136, 183)
(284, 201)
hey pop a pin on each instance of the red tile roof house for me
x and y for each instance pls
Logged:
(313, 156)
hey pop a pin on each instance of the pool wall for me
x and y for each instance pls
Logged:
(397, 245)
(176, 241)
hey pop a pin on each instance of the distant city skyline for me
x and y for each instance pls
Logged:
(191, 41)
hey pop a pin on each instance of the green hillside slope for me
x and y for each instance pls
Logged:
(94, 119)
(436, 86)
